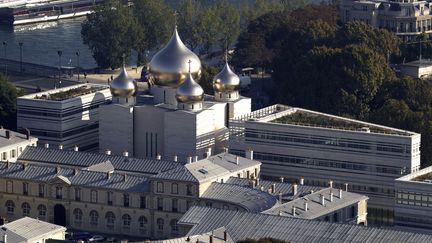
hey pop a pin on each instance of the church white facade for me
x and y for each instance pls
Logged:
(177, 120)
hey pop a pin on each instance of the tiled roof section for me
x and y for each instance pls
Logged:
(86, 159)
(285, 188)
(15, 137)
(242, 225)
(228, 161)
(28, 229)
(44, 173)
(315, 207)
(179, 173)
(252, 200)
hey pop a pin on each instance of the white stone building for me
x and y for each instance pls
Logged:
(67, 116)
(30, 230)
(293, 142)
(12, 144)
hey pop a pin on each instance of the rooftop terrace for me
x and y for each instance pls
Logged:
(68, 93)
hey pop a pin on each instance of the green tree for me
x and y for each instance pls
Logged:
(111, 32)
(252, 11)
(206, 81)
(8, 96)
(188, 17)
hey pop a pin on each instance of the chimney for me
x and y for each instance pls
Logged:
(57, 169)
(108, 152)
(225, 236)
(281, 179)
(249, 154)
(322, 199)
(211, 239)
(189, 160)
(273, 188)
(280, 197)
(46, 145)
(8, 136)
(108, 175)
(60, 147)
(125, 153)
(175, 159)
(330, 183)
(195, 158)
(346, 187)
(209, 152)
(76, 148)
(294, 189)
(5, 238)
(331, 196)
(253, 183)
(124, 177)
(340, 193)
(306, 206)
(237, 160)
(301, 181)
(76, 171)
(158, 157)
(262, 188)
(27, 132)
(280, 213)
(257, 181)
(7, 164)
(293, 211)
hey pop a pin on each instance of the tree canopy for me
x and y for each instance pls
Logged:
(8, 96)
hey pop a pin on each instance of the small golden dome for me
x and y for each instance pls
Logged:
(168, 67)
(189, 91)
(226, 80)
(123, 85)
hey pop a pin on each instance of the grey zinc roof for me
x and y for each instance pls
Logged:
(242, 225)
(86, 159)
(315, 207)
(217, 234)
(44, 173)
(28, 229)
(228, 161)
(285, 188)
(179, 173)
(101, 167)
(250, 199)
(15, 137)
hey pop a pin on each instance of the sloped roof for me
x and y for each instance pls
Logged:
(101, 167)
(242, 225)
(28, 229)
(179, 173)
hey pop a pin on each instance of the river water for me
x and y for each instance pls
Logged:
(42, 41)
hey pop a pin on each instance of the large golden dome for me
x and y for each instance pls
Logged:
(123, 85)
(169, 66)
(189, 91)
(226, 80)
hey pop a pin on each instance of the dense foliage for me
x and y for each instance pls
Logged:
(343, 71)
(8, 96)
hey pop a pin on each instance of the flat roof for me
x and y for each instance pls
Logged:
(420, 176)
(14, 138)
(66, 92)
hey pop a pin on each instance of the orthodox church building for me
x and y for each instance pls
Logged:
(176, 120)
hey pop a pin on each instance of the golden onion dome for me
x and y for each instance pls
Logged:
(169, 66)
(189, 91)
(226, 80)
(123, 85)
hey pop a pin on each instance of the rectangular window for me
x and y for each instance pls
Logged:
(143, 202)
(94, 196)
(9, 187)
(41, 190)
(126, 200)
(25, 188)
(77, 194)
(159, 204)
(59, 192)
(189, 190)
(4, 156)
(13, 153)
(174, 188)
(110, 198)
(175, 205)
(160, 187)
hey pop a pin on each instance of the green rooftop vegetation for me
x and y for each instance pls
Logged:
(318, 120)
(68, 94)
(424, 177)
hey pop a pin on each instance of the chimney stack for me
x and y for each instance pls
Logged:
(346, 187)
(124, 177)
(340, 193)
(195, 158)
(322, 199)
(5, 238)
(46, 145)
(7, 133)
(158, 157)
(281, 179)
(305, 206)
(27, 132)
(108, 175)
(237, 160)
(225, 236)
(108, 152)
(273, 188)
(293, 211)
(189, 160)
(57, 169)
(330, 183)
(257, 180)
(262, 188)
(294, 189)
(76, 148)
(301, 181)
(126, 153)
(209, 152)
(60, 147)
(175, 159)
(280, 197)
(225, 149)
(76, 171)
(249, 154)
(331, 196)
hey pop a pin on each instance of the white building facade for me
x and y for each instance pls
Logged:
(12, 144)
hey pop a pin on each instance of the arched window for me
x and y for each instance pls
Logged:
(174, 188)
(26, 208)
(94, 196)
(77, 216)
(110, 220)
(174, 226)
(94, 218)
(126, 220)
(42, 210)
(142, 224)
(10, 207)
(160, 224)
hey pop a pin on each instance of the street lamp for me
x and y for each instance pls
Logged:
(21, 58)
(59, 52)
(4, 46)
(78, 64)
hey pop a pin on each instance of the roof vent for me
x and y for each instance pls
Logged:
(108, 152)
(175, 159)
(76, 148)
(203, 171)
(158, 157)
(46, 145)
(365, 129)
(125, 153)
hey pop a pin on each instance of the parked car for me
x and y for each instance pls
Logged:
(97, 238)
(85, 236)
